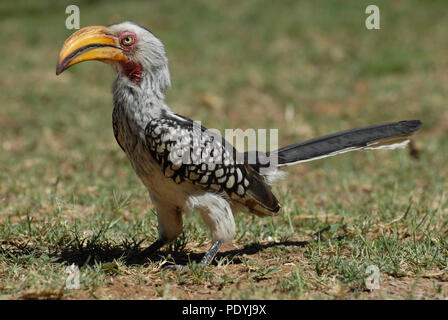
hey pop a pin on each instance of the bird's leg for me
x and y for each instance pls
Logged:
(170, 226)
(208, 257)
(211, 253)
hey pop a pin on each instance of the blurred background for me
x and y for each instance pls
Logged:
(308, 68)
(304, 68)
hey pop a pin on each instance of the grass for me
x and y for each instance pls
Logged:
(69, 196)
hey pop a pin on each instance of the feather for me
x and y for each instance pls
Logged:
(384, 136)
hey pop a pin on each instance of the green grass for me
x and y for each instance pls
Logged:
(68, 194)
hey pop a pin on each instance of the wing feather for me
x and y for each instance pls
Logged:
(189, 152)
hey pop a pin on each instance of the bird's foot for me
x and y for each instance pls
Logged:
(208, 257)
(175, 267)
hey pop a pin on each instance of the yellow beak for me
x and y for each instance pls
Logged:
(89, 43)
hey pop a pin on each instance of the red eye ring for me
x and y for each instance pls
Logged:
(128, 39)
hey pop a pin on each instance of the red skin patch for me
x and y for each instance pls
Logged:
(132, 69)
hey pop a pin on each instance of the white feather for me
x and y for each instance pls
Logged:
(216, 213)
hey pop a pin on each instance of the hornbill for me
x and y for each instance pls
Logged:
(184, 166)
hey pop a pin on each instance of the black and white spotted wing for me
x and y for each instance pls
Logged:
(187, 151)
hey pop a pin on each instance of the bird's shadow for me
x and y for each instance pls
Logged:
(89, 252)
(235, 255)
(103, 252)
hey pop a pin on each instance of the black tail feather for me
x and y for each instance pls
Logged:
(348, 140)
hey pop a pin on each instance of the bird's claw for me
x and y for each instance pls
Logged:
(179, 267)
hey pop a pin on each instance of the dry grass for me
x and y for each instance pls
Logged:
(68, 194)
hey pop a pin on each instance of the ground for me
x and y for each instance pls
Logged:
(69, 196)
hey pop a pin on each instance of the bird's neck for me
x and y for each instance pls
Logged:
(143, 100)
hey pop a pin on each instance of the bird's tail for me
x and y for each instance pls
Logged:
(384, 136)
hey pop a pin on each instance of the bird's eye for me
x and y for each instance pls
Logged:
(127, 41)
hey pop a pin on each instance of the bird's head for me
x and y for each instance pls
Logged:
(130, 48)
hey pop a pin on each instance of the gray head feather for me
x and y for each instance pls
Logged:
(150, 53)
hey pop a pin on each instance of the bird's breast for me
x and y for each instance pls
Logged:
(133, 143)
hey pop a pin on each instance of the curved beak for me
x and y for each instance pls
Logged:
(89, 43)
